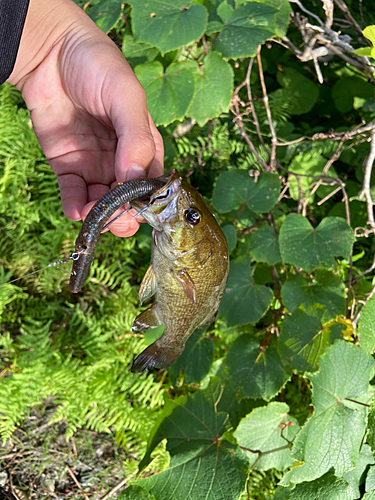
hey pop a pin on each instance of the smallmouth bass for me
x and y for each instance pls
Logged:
(188, 272)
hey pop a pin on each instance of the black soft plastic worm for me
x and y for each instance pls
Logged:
(97, 217)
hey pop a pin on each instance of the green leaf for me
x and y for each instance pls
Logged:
(138, 52)
(311, 248)
(168, 24)
(235, 188)
(135, 492)
(346, 89)
(328, 487)
(244, 301)
(264, 246)
(370, 479)
(213, 89)
(243, 29)
(231, 236)
(303, 340)
(202, 464)
(106, 14)
(265, 429)
(304, 91)
(254, 374)
(282, 17)
(363, 51)
(366, 326)
(326, 289)
(355, 477)
(174, 88)
(308, 164)
(195, 360)
(333, 436)
(369, 496)
(369, 33)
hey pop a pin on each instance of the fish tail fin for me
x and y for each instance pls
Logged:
(156, 356)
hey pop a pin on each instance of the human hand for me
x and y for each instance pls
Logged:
(88, 109)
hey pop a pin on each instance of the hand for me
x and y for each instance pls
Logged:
(88, 109)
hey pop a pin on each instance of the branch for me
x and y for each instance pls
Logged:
(366, 183)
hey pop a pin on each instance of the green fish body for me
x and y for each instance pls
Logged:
(188, 272)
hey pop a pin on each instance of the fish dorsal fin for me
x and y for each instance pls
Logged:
(148, 285)
(186, 284)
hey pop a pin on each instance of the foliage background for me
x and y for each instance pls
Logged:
(275, 399)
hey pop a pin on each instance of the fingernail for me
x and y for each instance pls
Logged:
(135, 172)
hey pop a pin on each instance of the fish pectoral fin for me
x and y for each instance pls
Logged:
(146, 320)
(186, 284)
(156, 356)
(148, 285)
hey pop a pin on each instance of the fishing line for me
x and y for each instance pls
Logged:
(76, 255)
(73, 256)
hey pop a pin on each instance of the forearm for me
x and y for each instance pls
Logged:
(47, 24)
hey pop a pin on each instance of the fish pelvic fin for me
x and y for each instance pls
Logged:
(146, 320)
(156, 356)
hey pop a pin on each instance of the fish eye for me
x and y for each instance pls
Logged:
(192, 216)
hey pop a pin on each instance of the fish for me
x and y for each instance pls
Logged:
(92, 226)
(188, 271)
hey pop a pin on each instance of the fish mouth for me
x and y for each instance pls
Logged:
(160, 205)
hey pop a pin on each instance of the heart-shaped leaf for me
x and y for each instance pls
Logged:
(174, 88)
(168, 24)
(311, 248)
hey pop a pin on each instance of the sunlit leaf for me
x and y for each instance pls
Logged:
(174, 88)
(213, 89)
(333, 435)
(366, 326)
(168, 24)
(265, 429)
(311, 248)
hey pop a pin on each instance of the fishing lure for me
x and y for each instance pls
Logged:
(98, 216)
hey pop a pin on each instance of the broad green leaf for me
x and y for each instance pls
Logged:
(333, 435)
(371, 427)
(282, 16)
(364, 51)
(213, 89)
(264, 246)
(370, 479)
(231, 236)
(235, 188)
(369, 496)
(346, 89)
(366, 326)
(106, 14)
(325, 289)
(243, 29)
(174, 88)
(303, 340)
(308, 164)
(311, 248)
(138, 52)
(304, 91)
(135, 492)
(327, 487)
(355, 477)
(168, 24)
(195, 360)
(202, 464)
(244, 301)
(253, 373)
(369, 33)
(281, 493)
(265, 429)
